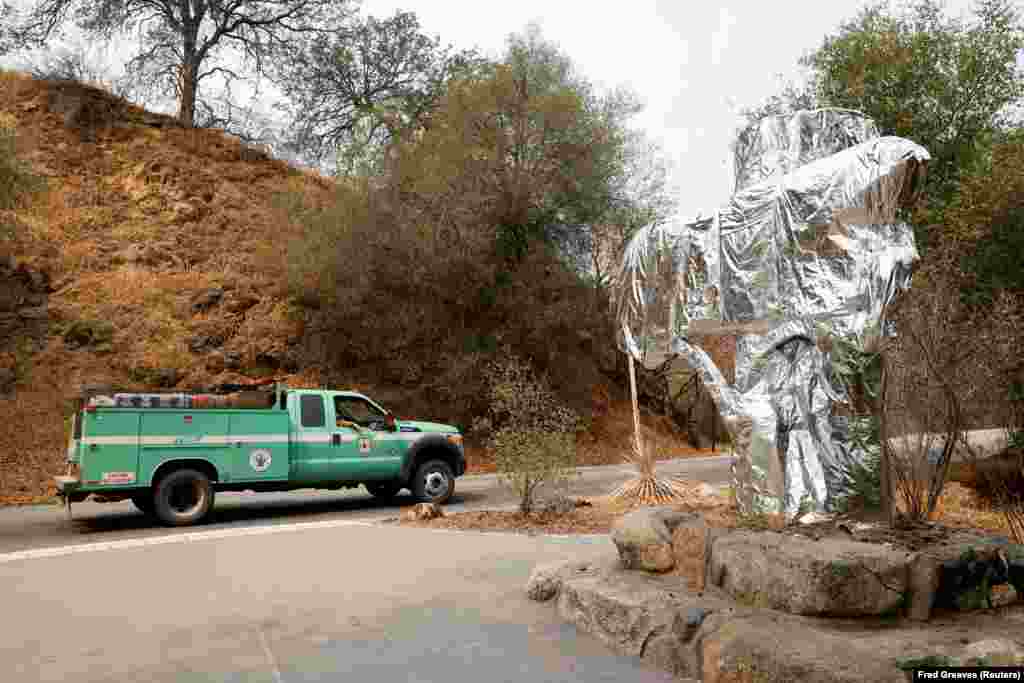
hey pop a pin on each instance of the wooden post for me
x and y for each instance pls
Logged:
(887, 498)
(636, 408)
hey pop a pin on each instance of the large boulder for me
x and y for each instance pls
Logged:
(644, 537)
(763, 646)
(635, 617)
(707, 638)
(829, 577)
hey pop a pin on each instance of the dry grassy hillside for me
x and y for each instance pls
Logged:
(154, 258)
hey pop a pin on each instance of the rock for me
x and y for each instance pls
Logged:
(644, 537)
(707, 490)
(559, 505)
(994, 652)
(1015, 572)
(691, 550)
(38, 313)
(968, 572)
(923, 578)
(216, 362)
(546, 580)
(422, 512)
(8, 378)
(202, 343)
(240, 303)
(165, 378)
(232, 360)
(633, 617)
(206, 299)
(762, 646)
(831, 577)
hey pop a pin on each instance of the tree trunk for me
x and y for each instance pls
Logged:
(187, 94)
(888, 498)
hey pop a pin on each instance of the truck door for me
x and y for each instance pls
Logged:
(377, 455)
(312, 439)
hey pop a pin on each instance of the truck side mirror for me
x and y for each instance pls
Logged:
(392, 425)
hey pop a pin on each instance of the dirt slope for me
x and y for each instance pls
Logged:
(155, 258)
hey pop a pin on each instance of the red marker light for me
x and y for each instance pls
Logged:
(188, 419)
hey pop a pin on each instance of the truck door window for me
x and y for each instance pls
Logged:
(312, 410)
(357, 410)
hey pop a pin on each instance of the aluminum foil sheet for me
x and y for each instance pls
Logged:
(811, 251)
(777, 145)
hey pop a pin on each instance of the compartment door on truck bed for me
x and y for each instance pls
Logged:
(259, 441)
(177, 435)
(110, 448)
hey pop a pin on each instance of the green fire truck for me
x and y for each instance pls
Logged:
(170, 453)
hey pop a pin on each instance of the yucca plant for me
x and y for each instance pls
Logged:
(647, 488)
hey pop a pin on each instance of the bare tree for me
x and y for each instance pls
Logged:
(184, 42)
(349, 89)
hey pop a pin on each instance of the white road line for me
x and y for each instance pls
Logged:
(270, 658)
(60, 551)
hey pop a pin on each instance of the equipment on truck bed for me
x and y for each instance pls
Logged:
(233, 395)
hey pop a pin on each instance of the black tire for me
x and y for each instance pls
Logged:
(433, 482)
(183, 497)
(144, 503)
(383, 490)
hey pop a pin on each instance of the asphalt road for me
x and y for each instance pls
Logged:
(23, 528)
(295, 589)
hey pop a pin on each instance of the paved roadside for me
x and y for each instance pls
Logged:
(354, 602)
(33, 527)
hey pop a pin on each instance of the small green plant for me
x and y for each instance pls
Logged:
(753, 672)
(908, 663)
(841, 569)
(535, 442)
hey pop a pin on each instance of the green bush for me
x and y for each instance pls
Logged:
(17, 182)
(535, 441)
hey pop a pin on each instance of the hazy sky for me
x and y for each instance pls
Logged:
(694, 64)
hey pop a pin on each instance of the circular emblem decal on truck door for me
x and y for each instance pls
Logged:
(260, 459)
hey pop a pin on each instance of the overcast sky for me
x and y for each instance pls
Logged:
(694, 64)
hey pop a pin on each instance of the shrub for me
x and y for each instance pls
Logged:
(534, 443)
(17, 182)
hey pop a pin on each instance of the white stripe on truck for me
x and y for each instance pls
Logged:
(232, 439)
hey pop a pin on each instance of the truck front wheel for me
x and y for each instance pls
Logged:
(183, 497)
(433, 482)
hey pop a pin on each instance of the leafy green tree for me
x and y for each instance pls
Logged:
(944, 82)
(184, 42)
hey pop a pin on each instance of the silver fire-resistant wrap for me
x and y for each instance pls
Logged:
(776, 145)
(812, 251)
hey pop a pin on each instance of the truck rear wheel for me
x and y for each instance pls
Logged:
(183, 497)
(433, 482)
